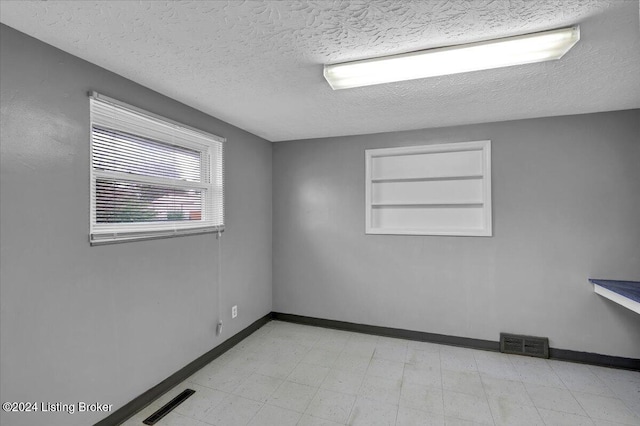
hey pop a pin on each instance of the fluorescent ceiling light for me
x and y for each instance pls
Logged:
(502, 52)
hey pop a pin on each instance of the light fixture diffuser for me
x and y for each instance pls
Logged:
(502, 52)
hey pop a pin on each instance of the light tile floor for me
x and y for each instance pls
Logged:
(289, 374)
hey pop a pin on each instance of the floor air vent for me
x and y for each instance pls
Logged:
(524, 345)
(168, 407)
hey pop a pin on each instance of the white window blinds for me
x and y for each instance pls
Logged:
(151, 177)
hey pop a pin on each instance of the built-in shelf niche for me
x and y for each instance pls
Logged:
(442, 189)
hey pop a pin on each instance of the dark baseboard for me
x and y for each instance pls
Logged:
(128, 410)
(466, 342)
(595, 359)
(422, 336)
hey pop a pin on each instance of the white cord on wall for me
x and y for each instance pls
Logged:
(219, 287)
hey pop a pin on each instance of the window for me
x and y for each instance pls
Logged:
(151, 177)
(440, 189)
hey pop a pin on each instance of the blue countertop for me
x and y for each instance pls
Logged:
(628, 289)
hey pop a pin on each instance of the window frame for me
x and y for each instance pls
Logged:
(484, 146)
(211, 185)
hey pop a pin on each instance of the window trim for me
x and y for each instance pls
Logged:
(136, 231)
(484, 146)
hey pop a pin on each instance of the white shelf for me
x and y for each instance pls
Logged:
(442, 189)
(426, 205)
(427, 179)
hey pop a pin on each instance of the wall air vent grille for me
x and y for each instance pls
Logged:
(524, 345)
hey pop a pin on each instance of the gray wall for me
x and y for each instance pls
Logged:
(106, 323)
(566, 203)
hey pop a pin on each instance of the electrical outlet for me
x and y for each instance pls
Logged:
(234, 311)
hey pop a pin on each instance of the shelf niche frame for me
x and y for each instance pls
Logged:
(436, 189)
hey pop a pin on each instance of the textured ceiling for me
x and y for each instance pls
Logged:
(258, 65)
